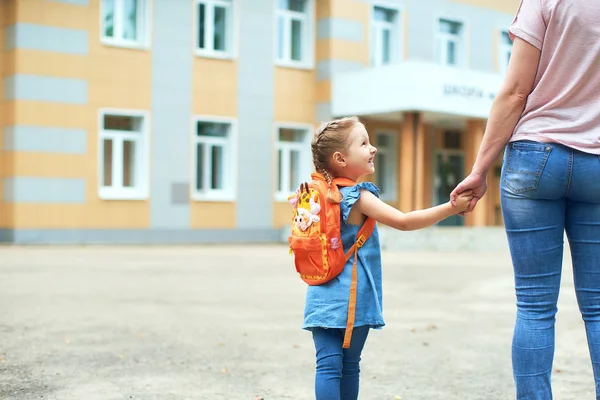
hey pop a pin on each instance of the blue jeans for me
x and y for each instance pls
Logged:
(338, 370)
(547, 190)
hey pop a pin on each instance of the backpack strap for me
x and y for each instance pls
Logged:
(363, 234)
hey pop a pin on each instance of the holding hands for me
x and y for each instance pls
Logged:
(473, 187)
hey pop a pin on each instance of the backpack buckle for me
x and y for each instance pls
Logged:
(360, 241)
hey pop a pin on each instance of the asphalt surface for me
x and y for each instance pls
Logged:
(223, 322)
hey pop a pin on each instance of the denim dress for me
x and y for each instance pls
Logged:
(327, 304)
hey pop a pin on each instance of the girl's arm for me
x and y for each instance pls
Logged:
(371, 206)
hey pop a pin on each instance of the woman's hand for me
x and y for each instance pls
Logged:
(476, 183)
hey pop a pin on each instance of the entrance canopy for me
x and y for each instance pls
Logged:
(414, 86)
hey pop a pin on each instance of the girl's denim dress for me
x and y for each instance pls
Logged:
(327, 305)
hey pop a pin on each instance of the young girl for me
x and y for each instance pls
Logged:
(341, 148)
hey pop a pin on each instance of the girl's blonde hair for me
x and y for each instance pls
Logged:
(330, 137)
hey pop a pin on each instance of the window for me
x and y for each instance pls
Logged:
(450, 44)
(505, 51)
(123, 155)
(214, 160)
(386, 174)
(294, 33)
(215, 28)
(124, 22)
(294, 161)
(385, 39)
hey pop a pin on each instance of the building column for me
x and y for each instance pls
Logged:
(411, 188)
(472, 140)
(419, 165)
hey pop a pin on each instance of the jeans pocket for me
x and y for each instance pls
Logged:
(525, 162)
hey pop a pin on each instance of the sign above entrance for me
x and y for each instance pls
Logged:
(468, 91)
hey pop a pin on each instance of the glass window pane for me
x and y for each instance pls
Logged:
(296, 5)
(122, 123)
(107, 150)
(213, 129)
(291, 135)
(381, 172)
(200, 166)
(130, 26)
(296, 40)
(220, 38)
(451, 52)
(386, 46)
(294, 170)
(280, 30)
(383, 141)
(108, 17)
(217, 167)
(280, 170)
(283, 4)
(129, 163)
(384, 14)
(201, 25)
(451, 27)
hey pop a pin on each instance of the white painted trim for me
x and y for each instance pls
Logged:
(307, 158)
(308, 61)
(144, 43)
(398, 53)
(138, 193)
(230, 193)
(465, 63)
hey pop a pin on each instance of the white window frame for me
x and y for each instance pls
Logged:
(144, 18)
(461, 43)
(391, 154)
(396, 43)
(503, 52)
(231, 30)
(303, 147)
(308, 44)
(142, 157)
(228, 193)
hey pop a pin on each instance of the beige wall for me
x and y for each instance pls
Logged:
(507, 6)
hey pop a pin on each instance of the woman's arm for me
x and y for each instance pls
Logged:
(371, 206)
(509, 104)
(505, 113)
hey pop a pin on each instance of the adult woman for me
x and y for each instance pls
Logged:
(547, 118)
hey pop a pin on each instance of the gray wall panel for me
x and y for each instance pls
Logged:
(172, 79)
(255, 114)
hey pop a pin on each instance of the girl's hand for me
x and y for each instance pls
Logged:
(462, 201)
(474, 182)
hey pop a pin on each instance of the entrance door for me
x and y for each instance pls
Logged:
(448, 172)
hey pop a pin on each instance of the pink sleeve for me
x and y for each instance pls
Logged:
(529, 23)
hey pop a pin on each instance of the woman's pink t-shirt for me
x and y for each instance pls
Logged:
(564, 106)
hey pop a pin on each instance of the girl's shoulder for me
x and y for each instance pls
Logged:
(351, 194)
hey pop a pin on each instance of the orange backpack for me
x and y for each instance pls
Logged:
(316, 241)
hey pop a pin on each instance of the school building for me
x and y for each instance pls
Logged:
(189, 121)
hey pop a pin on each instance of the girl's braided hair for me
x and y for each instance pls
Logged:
(330, 137)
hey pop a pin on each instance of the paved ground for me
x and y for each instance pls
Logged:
(108, 323)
